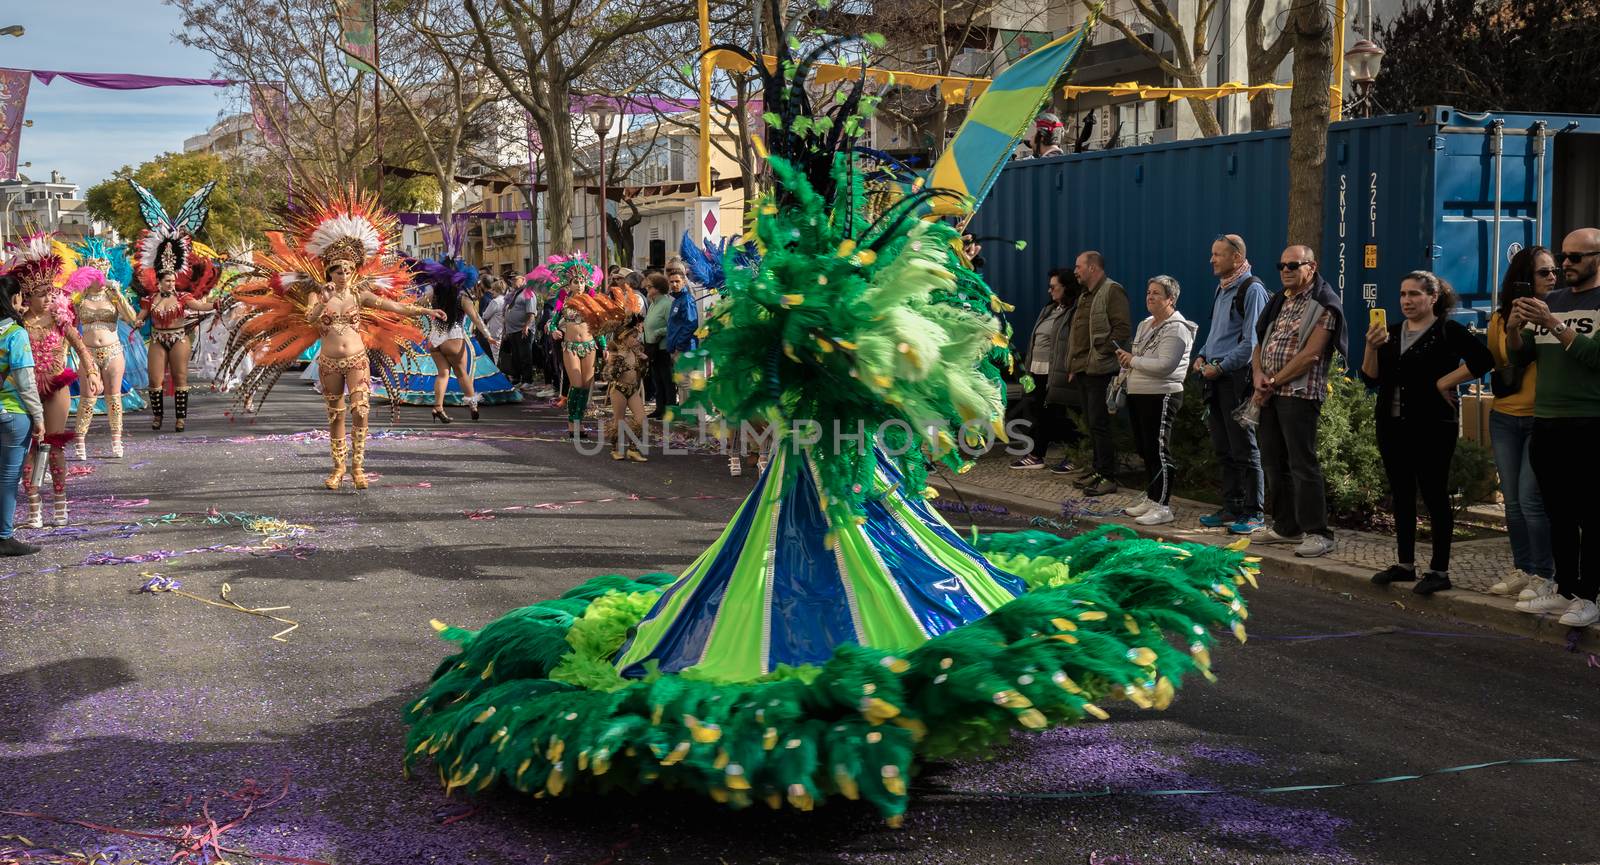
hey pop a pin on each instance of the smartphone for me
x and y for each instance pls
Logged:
(1518, 290)
(1377, 316)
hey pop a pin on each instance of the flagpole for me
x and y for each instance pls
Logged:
(705, 99)
(377, 101)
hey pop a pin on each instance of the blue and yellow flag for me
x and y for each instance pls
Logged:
(998, 121)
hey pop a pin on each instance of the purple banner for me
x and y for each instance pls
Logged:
(115, 81)
(414, 218)
(13, 100)
(269, 107)
(647, 104)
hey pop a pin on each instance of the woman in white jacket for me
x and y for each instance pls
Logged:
(1156, 367)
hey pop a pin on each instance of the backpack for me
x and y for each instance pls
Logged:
(1242, 291)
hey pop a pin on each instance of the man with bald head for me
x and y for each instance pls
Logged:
(1296, 336)
(1562, 332)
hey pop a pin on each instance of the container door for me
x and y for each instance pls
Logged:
(1481, 224)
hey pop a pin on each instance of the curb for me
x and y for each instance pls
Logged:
(1474, 608)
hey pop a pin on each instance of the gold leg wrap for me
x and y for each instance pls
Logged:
(336, 447)
(85, 420)
(114, 415)
(360, 405)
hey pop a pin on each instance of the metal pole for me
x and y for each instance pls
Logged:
(604, 256)
(1541, 141)
(377, 102)
(705, 99)
(1496, 147)
(1336, 92)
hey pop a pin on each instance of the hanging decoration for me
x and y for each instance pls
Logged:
(13, 101)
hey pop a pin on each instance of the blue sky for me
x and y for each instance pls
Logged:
(87, 133)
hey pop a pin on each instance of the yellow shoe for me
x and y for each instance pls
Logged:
(633, 454)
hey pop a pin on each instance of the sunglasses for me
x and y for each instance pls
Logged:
(1577, 256)
(1293, 265)
(1547, 271)
(1228, 240)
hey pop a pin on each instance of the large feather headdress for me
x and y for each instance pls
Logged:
(167, 243)
(34, 262)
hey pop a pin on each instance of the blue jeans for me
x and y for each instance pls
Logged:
(1525, 517)
(14, 434)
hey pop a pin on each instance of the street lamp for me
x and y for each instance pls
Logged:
(1363, 61)
(601, 112)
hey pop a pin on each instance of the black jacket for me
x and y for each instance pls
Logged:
(1416, 373)
(1056, 383)
(1322, 293)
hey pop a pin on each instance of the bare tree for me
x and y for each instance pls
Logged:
(1312, 27)
(541, 51)
(1263, 59)
(328, 129)
(447, 109)
(1190, 54)
(931, 36)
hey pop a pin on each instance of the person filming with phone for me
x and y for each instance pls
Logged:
(1417, 365)
(1296, 336)
(1559, 332)
(1531, 273)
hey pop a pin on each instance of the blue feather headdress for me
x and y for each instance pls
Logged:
(706, 263)
(111, 259)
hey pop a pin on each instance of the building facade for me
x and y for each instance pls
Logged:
(51, 205)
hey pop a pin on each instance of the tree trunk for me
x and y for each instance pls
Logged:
(1205, 115)
(559, 169)
(1308, 122)
(1263, 108)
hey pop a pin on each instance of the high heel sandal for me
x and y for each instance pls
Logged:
(440, 416)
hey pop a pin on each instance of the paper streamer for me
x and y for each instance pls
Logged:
(199, 839)
(488, 513)
(157, 584)
(1255, 791)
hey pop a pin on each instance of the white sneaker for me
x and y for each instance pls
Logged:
(1269, 535)
(1138, 508)
(1514, 583)
(1581, 614)
(1313, 546)
(1536, 586)
(1155, 515)
(1545, 600)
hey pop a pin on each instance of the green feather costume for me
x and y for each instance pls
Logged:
(839, 630)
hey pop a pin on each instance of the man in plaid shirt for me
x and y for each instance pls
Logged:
(1296, 336)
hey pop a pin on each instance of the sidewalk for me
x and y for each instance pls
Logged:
(1474, 565)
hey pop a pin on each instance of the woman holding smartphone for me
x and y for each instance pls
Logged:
(1532, 273)
(1416, 366)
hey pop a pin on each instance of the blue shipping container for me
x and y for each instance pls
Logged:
(1405, 192)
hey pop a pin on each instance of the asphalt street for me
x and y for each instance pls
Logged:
(132, 711)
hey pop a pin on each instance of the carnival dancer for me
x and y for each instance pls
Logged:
(448, 289)
(839, 630)
(111, 260)
(47, 316)
(100, 307)
(572, 275)
(175, 280)
(617, 316)
(339, 283)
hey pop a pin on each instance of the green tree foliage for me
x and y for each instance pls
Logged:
(1513, 55)
(241, 205)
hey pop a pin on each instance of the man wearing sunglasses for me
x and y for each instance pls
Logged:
(1562, 332)
(1296, 336)
(1224, 363)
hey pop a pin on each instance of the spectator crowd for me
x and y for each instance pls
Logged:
(1263, 364)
